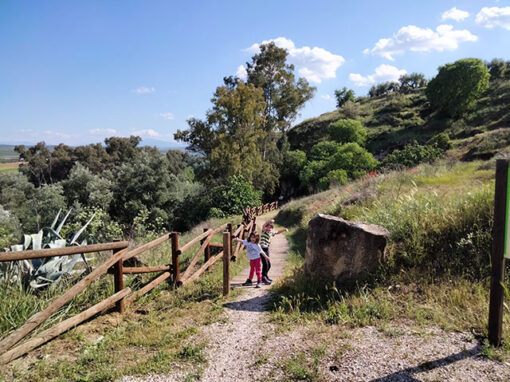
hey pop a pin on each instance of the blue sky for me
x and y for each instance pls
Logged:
(77, 71)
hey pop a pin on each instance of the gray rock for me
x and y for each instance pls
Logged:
(343, 251)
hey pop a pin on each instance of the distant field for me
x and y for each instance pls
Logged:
(7, 154)
(9, 167)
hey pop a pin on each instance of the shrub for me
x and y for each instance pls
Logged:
(411, 155)
(348, 130)
(235, 195)
(441, 140)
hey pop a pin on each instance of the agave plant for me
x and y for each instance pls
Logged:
(46, 271)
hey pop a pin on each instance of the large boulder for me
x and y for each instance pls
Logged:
(343, 251)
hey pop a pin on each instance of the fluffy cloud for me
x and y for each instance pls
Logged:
(241, 72)
(418, 39)
(315, 64)
(146, 133)
(144, 90)
(169, 116)
(327, 97)
(382, 73)
(454, 14)
(494, 17)
(103, 131)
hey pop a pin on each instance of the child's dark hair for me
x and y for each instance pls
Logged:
(257, 237)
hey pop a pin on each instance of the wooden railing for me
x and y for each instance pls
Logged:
(115, 265)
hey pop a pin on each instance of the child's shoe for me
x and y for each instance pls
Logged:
(247, 283)
(259, 285)
(266, 281)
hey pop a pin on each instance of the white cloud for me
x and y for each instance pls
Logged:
(241, 73)
(103, 131)
(315, 64)
(146, 133)
(382, 73)
(418, 39)
(327, 97)
(144, 90)
(494, 17)
(168, 116)
(56, 134)
(454, 14)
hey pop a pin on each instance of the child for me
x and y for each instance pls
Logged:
(265, 240)
(254, 253)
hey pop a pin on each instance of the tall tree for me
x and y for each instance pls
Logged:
(343, 96)
(458, 85)
(231, 133)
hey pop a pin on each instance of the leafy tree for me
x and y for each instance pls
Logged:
(458, 85)
(236, 194)
(93, 156)
(354, 159)
(348, 130)
(497, 68)
(87, 189)
(411, 81)
(284, 96)
(122, 150)
(323, 151)
(383, 88)
(343, 96)
(43, 205)
(231, 134)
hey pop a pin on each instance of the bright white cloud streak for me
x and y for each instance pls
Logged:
(494, 17)
(315, 64)
(454, 14)
(383, 73)
(418, 39)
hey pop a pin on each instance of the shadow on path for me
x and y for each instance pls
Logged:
(254, 304)
(406, 374)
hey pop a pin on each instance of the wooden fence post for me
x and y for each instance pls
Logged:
(174, 237)
(230, 229)
(207, 250)
(118, 279)
(226, 263)
(497, 256)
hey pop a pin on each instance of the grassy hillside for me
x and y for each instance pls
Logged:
(396, 119)
(439, 218)
(7, 154)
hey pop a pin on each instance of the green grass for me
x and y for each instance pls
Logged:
(437, 273)
(153, 336)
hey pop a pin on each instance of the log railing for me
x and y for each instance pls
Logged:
(9, 350)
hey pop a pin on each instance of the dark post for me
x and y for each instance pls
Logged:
(118, 279)
(230, 229)
(174, 237)
(497, 257)
(226, 263)
(207, 250)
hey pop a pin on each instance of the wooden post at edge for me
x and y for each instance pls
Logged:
(174, 237)
(497, 255)
(226, 263)
(118, 279)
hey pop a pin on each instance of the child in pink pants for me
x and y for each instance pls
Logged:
(254, 252)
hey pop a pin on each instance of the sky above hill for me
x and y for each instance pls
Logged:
(79, 71)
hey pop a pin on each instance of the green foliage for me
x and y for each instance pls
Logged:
(458, 85)
(323, 151)
(9, 229)
(352, 158)
(408, 82)
(412, 155)
(343, 96)
(441, 140)
(337, 177)
(348, 130)
(233, 196)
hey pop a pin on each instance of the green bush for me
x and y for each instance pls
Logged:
(233, 196)
(348, 130)
(441, 140)
(411, 155)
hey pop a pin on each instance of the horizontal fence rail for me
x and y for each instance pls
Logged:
(9, 347)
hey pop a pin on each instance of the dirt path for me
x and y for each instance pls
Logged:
(235, 346)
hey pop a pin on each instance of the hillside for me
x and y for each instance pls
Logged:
(395, 119)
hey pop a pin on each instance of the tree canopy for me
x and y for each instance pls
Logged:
(458, 85)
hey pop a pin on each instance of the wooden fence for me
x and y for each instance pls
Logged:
(115, 265)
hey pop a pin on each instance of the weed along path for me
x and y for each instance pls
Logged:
(235, 344)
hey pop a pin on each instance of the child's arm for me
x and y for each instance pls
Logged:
(282, 231)
(263, 254)
(237, 239)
